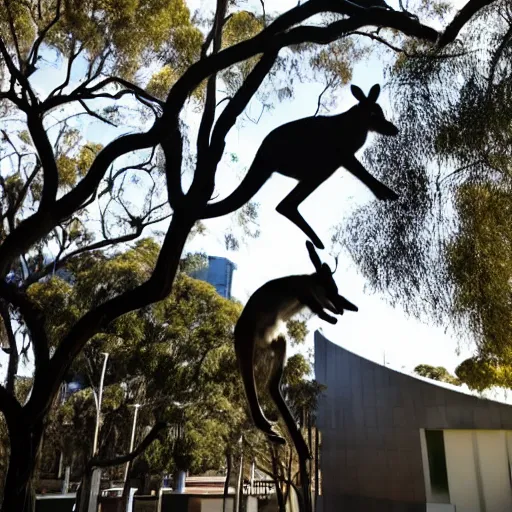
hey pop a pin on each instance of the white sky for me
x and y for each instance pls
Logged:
(377, 330)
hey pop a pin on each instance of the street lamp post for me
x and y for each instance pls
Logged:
(98, 408)
(132, 441)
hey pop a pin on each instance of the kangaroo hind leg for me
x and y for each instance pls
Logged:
(289, 208)
(279, 349)
(246, 363)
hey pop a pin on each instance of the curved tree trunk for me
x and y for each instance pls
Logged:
(25, 441)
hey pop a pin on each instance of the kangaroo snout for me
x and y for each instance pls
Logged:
(342, 304)
(388, 128)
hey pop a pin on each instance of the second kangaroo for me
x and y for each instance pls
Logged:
(311, 150)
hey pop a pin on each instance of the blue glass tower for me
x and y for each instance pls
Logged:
(218, 273)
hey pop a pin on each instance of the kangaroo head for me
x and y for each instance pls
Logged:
(326, 290)
(376, 120)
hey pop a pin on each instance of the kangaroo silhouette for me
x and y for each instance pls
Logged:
(311, 150)
(261, 324)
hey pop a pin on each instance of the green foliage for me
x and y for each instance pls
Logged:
(442, 250)
(479, 261)
(480, 374)
(192, 262)
(337, 61)
(176, 352)
(55, 298)
(439, 373)
(129, 30)
(297, 330)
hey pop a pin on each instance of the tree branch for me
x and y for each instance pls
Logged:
(7, 5)
(94, 114)
(34, 321)
(36, 276)
(47, 159)
(237, 105)
(89, 93)
(8, 404)
(16, 75)
(320, 96)
(34, 52)
(460, 19)
(205, 128)
(156, 288)
(381, 40)
(42, 222)
(12, 368)
(122, 459)
(71, 59)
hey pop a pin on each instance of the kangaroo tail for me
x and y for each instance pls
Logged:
(255, 178)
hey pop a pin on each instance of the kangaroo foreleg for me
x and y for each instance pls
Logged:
(325, 317)
(318, 310)
(380, 191)
(289, 208)
(279, 348)
(246, 363)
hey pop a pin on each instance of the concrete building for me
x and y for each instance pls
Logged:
(394, 443)
(218, 273)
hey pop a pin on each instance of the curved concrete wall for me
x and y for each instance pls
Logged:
(370, 419)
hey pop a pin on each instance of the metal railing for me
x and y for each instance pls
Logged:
(259, 488)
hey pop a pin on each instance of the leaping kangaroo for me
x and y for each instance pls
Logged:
(311, 150)
(260, 325)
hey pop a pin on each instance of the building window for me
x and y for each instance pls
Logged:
(437, 465)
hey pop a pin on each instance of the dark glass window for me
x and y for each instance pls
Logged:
(437, 462)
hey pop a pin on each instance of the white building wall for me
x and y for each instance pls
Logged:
(494, 469)
(478, 467)
(461, 469)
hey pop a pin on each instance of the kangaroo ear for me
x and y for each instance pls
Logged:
(314, 256)
(357, 93)
(326, 269)
(374, 93)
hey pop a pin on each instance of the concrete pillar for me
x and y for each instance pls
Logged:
(95, 490)
(65, 483)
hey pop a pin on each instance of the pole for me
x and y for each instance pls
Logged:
(251, 486)
(98, 409)
(239, 483)
(132, 441)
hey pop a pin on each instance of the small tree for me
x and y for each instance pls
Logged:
(439, 373)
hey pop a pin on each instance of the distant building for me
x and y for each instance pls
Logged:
(218, 273)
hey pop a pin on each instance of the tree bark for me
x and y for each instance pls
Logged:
(277, 482)
(12, 368)
(25, 440)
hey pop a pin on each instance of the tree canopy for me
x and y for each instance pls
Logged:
(175, 358)
(439, 373)
(443, 250)
(158, 356)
